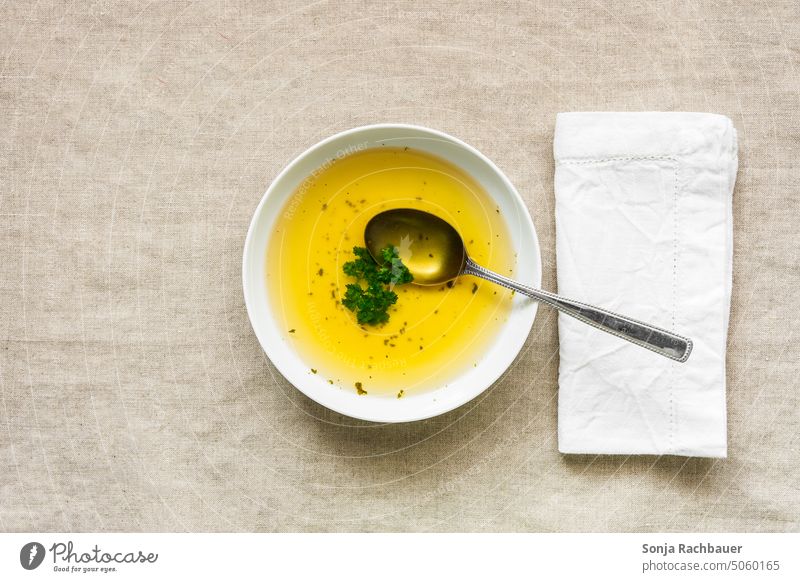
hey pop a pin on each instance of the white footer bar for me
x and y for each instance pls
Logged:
(406, 557)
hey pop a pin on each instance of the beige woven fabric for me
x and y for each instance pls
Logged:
(137, 139)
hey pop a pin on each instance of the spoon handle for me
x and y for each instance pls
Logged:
(661, 341)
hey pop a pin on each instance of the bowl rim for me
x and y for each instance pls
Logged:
(527, 224)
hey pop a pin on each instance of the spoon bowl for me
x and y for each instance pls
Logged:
(429, 246)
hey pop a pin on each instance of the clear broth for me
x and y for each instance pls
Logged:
(433, 333)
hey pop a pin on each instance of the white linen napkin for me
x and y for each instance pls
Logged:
(644, 228)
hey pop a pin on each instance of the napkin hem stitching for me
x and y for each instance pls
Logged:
(585, 161)
(674, 372)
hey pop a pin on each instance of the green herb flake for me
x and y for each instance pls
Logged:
(360, 389)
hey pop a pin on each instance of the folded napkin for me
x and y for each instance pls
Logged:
(643, 228)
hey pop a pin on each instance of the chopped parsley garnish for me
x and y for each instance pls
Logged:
(371, 296)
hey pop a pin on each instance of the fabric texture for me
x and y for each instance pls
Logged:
(136, 140)
(644, 228)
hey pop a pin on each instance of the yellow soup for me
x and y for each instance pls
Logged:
(433, 333)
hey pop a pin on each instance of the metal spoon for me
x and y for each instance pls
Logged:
(437, 255)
